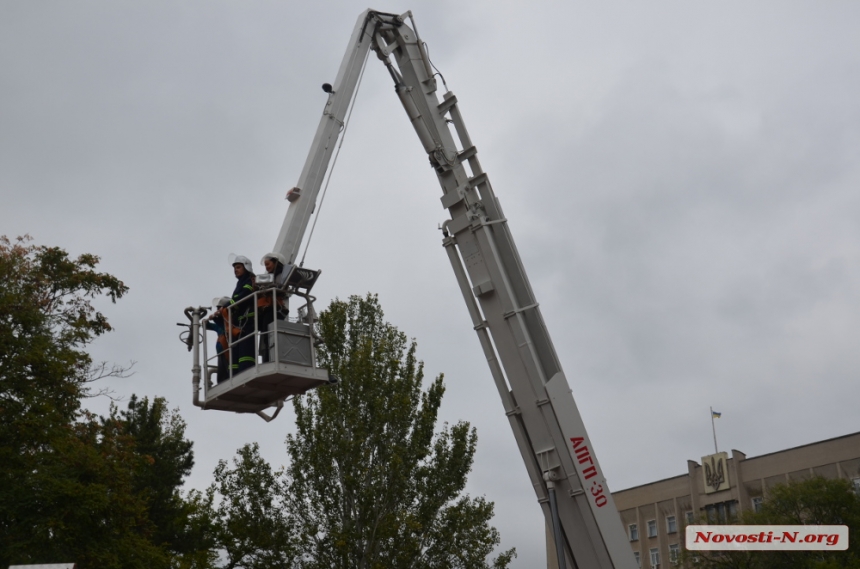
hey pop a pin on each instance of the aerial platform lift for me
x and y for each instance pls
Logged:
(563, 468)
(289, 367)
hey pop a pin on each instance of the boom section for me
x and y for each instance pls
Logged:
(538, 402)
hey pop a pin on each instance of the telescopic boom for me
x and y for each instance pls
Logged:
(561, 462)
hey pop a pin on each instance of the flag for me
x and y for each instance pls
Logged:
(715, 415)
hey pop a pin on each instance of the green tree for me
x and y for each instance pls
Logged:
(814, 501)
(251, 524)
(182, 525)
(46, 319)
(159, 439)
(78, 503)
(103, 492)
(370, 484)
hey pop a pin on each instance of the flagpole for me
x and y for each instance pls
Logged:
(714, 429)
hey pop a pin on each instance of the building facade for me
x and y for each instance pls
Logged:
(721, 488)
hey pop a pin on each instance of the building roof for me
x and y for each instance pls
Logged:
(746, 459)
(806, 445)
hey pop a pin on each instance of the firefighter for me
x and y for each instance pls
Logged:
(218, 322)
(275, 265)
(242, 316)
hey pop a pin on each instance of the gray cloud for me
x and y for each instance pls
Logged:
(681, 181)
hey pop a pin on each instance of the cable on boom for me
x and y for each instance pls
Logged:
(334, 161)
(439, 73)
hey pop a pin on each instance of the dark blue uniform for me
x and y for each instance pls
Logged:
(242, 312)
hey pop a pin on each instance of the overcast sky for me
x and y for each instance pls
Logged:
(681, 179)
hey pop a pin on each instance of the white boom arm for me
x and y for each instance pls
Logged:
(558, 454)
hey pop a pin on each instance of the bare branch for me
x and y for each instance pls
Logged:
(102, 370)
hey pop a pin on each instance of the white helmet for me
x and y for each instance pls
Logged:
(241, 259)
(275, 257)
(221, 301)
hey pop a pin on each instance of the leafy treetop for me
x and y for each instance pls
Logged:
(46, 320)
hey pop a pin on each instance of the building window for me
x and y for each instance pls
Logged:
(715, 514)
(638, 561)
(674, 553)
(722, 512)
(756, 504)
(634, 532)
(655, 557)
(671, 525)
(652, 528)
(690, 518)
